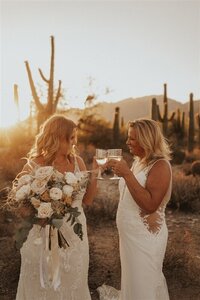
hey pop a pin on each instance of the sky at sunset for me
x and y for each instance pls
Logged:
(130, 47)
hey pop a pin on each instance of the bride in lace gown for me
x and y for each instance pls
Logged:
(56, 274)
(144, 193)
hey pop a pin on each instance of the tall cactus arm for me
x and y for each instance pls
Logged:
(154, 109)
(58, 95)
(33, 89)
(43, 77)
(51, 80)
(198, 119)
(165, 114)
(172, 116)
(159, 115)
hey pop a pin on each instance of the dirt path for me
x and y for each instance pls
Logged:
(105, 264)
(104, 257)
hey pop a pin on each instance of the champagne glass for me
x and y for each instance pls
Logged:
(101, 158)
(114, 154)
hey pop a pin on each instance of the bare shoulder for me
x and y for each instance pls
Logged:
(160, 168)
(81, 163)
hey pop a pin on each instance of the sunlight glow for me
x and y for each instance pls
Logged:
(129, 48)
(9, 117)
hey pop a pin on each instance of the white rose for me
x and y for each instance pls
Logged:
(79, 176)
(35, 202)
(45, 210)
(43, 172)
(25, 179)
(23, 192)
(68, 190)
(38, 186)
(57, 176)
(55, 193)
(70, 178)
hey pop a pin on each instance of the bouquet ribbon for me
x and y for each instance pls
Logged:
(49, 258)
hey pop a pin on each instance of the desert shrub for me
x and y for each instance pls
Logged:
(19, 143)
(178, 156)
(99, 133)
(195, 168)
(192, 156)
(183, 262)
(185, 192)
(95, 131)
(11, 166)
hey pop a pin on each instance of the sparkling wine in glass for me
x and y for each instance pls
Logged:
(114, 154)
(101, 158)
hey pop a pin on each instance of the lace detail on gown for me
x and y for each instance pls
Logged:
(142, 242)
(107, 292)
(59, 274)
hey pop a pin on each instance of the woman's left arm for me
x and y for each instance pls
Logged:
(149, 197)
(92, 186)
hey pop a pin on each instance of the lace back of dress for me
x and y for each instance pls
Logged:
(153, 222)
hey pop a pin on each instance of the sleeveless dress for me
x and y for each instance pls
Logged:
(59, 274)
(142, 243)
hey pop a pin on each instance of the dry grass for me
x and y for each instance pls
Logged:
(185, 191)
(182, 262)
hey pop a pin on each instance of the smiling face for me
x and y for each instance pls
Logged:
(133, 144)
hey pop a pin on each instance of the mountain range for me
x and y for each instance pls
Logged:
(132, 108)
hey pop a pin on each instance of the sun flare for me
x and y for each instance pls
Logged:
(9, 119)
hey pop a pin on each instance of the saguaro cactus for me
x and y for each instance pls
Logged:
(16, 100)
(116, 130)
(154, 109)
(179, 126)
(122, 123)
(191, 125)
(45, 110)
(165, 119)
(198, 124)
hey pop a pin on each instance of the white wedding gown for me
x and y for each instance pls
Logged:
(59, 274)
(143, 241)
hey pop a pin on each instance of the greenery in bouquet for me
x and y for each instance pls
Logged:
(44, 197)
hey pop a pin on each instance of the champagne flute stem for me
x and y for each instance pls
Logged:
(99, 173)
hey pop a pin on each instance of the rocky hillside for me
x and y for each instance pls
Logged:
(131, 108)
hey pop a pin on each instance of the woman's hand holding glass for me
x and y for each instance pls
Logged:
(120, 168)
(114, 155)
(101, 159)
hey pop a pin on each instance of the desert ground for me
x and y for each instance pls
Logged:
(181, 265)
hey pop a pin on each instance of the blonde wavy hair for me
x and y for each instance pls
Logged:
(151, 139)
(47, 142)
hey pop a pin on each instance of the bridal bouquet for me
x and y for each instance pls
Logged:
(47, 196)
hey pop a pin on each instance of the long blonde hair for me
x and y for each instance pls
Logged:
(151, 139)
(47, 142)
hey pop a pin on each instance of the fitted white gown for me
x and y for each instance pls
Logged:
(142, 241)
(59, 274)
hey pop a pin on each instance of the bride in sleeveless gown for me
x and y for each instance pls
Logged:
(142, 228)
(57, 274)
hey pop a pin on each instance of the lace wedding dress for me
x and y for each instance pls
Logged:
(143, 240)
(59, 274)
